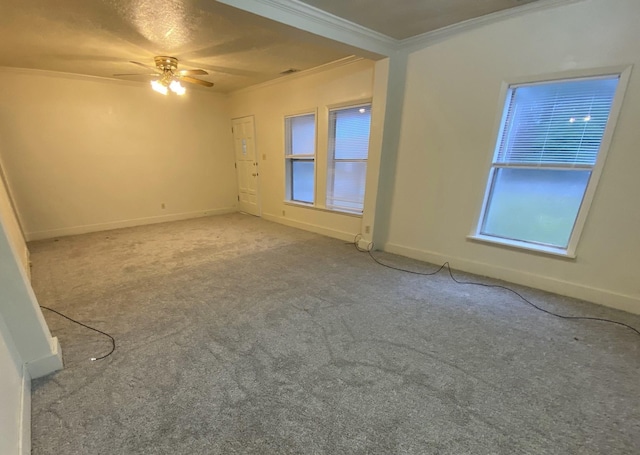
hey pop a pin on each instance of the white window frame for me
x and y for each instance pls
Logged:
(570, 251)
(289, 158)
(331, 153)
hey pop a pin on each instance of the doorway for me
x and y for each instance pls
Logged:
(246, 165)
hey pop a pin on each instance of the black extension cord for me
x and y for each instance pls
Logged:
(113, 341)
(497, 286)
(368, 250)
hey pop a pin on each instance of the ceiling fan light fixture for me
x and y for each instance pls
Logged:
(177, 88)
(167, 77)
(159, 87)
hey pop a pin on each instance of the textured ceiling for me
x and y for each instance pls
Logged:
(405, 18)
(99, 37)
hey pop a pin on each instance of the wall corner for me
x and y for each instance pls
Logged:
(47, 364)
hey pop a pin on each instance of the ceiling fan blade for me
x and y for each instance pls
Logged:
(193, 80)
(191, 73)
(149, 67)
(226, 70)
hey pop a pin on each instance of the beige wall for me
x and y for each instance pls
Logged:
(448, 135)
(84, 154)
(269, 104)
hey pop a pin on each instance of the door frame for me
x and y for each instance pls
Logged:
(256, 160)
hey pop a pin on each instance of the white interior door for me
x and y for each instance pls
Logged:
(246, 165)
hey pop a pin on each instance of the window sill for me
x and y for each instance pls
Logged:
(516, 244)
(322, 209)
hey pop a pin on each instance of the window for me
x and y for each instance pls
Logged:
(300, 150)
(549, 143)
(347, 157)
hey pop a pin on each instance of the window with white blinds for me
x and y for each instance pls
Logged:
(549, 142)
(558, 123)
(349, 130)
(300, 152)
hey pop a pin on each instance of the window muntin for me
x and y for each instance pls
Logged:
(300, 148)
(348, 150)
(548, 146)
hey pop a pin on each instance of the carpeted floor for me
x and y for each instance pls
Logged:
(240, 336)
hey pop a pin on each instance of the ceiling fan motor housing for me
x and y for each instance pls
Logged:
(165, 64)
(166, 72)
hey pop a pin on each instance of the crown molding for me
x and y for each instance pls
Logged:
(316, 69)
(418, 42)
(92, 78)
(311, 19)
(63, 75)
(308, 18)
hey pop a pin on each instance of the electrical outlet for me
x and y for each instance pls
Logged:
(283, 213)
(264, 157)
(162, 205)
(367, 229)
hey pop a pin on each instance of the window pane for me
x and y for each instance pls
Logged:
(302, 178)
(347, 185)
(301, 133)
(557, 123)
(535, 205)
(349, 130)
(349, 134)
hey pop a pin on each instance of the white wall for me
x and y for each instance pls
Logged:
(27, 349)
(84, 154)
(38, 350)
(448, 135)
(13, 390)
(269, 104)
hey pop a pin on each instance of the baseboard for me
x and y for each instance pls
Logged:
(603, 297)
(75, 230)
(25, 414)
(364, 244)
(47, 364)
(310, 227)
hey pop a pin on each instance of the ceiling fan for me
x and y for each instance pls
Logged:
(168, 77)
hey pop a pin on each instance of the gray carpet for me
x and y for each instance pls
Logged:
(240, 336)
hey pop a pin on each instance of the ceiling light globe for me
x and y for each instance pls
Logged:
(177, 88)
(158, 87)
